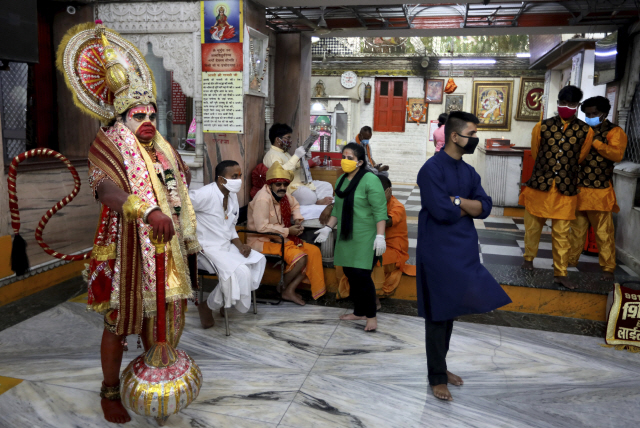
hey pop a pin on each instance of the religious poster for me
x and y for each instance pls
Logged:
(612, 95)
(221, 21)
(530, 99)
(222, 94)
(492, 104)
(416, 110)
(453, 103)
(433, 90)
(623, 324)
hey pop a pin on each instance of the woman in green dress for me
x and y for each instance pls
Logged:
(360, 212)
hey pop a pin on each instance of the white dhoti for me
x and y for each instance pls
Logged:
(237, 277)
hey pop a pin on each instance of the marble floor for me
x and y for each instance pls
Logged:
(291, 366)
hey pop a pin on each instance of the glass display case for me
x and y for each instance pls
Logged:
(333, 130)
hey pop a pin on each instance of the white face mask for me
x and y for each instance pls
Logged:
(233, 185)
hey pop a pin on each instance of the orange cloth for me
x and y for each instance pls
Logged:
(551, 204)
(293, 254)
(604, 199)
(397, 237)
(367, 149)
(451, 86)
(387, 277)
(264, 216)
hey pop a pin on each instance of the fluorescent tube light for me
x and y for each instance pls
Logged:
(523, 55)
(607, 53)
(467, 61)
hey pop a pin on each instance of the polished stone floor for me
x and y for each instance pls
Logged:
(291, 366)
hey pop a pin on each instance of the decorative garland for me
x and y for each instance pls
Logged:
(254, 60)
(424, 112)
(13, 199)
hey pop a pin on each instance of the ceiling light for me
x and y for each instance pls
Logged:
(322, 22)
(607, 53)
(523, 55)
(467, 61)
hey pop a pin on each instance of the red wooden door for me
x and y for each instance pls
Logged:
(390, 105)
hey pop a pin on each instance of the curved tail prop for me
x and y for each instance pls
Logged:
(19, 261)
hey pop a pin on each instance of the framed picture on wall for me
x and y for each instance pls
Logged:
(612, 95)
(454, 103)
(416, 110)
(433, 90)
(492, 104)
(530, 99)
(256, 63)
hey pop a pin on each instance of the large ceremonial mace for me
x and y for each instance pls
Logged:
(163, 380)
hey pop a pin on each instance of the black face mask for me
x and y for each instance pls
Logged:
(275, 195)
(471, 144)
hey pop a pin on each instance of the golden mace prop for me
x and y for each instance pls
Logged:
(163, 380)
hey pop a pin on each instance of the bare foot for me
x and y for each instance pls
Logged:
(442, 392)
(293, 297)
(206, 316)
(607, 276)
(114, 411)
(454, 379)
(528, 265)
(372, 324)
(351, 317)
(378, 304)
(299, 295)
(565, 281)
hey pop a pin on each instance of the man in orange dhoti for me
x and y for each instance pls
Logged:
(597, 199)
(387, 277)
(271, 211)
(558, 145)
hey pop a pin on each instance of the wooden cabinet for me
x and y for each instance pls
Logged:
(329, 174)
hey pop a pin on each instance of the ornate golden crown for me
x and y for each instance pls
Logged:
(106, 73)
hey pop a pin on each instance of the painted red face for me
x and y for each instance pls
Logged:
(141, 120)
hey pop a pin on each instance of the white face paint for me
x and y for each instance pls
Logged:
(137, 116)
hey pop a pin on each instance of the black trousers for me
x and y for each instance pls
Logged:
(437, 337)
(362, 291)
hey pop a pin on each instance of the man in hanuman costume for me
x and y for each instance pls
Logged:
(142, 185)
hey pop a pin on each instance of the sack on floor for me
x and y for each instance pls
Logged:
(623, 320)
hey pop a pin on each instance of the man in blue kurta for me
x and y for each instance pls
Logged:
(450, 279)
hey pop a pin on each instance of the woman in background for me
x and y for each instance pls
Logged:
(438, 134)
(360, 212)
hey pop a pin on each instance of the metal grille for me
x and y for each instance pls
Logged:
(13, 94)
(343, 46)
(633, 129)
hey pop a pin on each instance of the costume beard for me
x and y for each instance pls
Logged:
(146, 131)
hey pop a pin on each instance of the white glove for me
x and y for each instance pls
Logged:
(323, 234)
(300, 152)
(380, 245)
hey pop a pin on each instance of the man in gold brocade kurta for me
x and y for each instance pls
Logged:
(558, 145)
(141, 183)
(597, 199)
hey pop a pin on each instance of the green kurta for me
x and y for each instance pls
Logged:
(369, 207)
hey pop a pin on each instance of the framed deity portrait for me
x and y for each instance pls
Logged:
(530, 99)
(416, 110)
(454, 103)
(492, 104)
(256, 63)
(433, 90)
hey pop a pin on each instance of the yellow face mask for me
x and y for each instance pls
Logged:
(348, 165)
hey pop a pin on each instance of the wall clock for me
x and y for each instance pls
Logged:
(349, 79)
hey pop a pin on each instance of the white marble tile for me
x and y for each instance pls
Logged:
(36, 404)
(414, 198)
(628, 270)
(397, 193)
(479, 224)
(500, 250)
(403, 186)
(413, 243)
(500, 219)
(414, 208)
(542, 263)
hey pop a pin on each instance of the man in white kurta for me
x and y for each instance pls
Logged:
(315, 193)
(240, 268)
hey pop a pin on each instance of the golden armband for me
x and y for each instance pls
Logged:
(134, 208)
